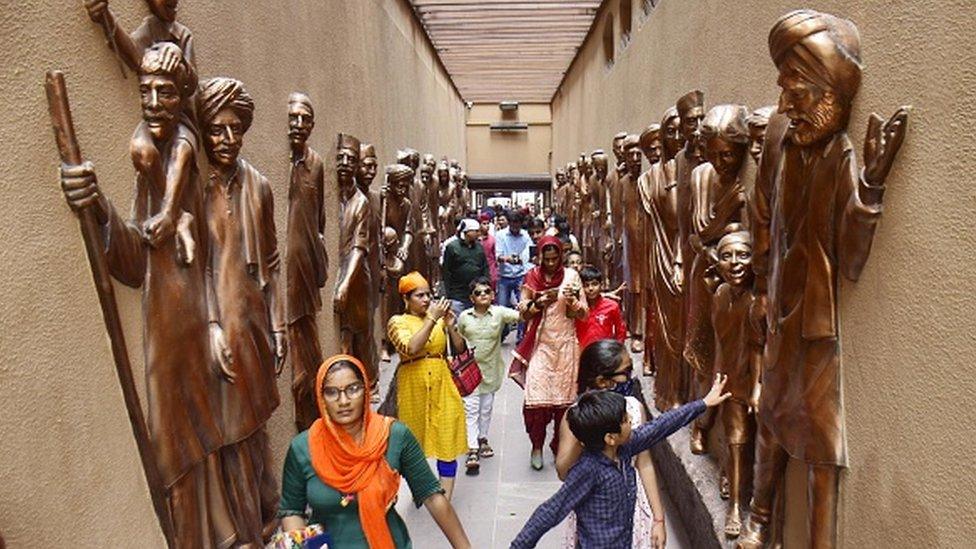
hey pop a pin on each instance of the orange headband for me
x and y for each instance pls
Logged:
(410, 282)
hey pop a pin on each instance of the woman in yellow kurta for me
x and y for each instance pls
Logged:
(429, 403)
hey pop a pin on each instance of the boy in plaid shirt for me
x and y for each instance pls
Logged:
(602, 486)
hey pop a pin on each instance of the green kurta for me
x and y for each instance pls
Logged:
(484, 333)
(301, 487)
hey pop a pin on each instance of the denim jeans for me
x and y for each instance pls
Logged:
(508, 296)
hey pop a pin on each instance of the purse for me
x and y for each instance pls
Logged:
(465, 371)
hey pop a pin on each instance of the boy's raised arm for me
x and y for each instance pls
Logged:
(664, 425)
(577, 488)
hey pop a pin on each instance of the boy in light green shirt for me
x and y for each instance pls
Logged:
(482, 327)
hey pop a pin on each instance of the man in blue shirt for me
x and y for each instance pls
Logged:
(602, 486)
(512, 246)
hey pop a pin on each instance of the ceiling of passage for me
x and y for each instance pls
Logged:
(506, 50)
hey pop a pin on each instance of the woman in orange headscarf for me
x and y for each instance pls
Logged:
(347, 468)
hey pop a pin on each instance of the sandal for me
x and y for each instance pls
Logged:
(484, 450)
(472, 465)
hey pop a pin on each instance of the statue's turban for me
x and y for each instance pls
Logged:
(222, 92)
(824, 49)
(726, 122)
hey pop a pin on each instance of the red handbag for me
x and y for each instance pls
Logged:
(465, 371)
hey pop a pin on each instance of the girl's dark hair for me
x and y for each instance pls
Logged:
(345, 364)
(599, 359)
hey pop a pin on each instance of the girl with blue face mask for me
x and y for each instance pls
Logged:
(606, 365)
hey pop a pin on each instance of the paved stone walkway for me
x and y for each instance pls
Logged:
(494, 505)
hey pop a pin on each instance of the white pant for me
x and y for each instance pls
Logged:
(477, 409)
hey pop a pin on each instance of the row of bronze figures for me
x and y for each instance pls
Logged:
(202, 245)
(740, 277)
(205, 253)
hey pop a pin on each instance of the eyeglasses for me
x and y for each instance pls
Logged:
(353, 390)
(479, 293)
(629, 372)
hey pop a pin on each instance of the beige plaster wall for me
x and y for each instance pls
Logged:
(508, 152)
(908, 324)
(69, 471)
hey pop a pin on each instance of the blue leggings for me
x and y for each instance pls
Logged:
(447, 469)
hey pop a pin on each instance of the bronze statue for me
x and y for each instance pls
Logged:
(396, 236)
(446, 202)
(691, 110)
(365, 175)
(573, 197)
(306, 258)
(245, 309)
(432, 243)
(633, 242)
(465, 192)
(559, 192)
(160, 26)
(420, 211)
(598, 205)
(738, 355)
(585, 230)
(651, 147)
(666, 281)
(717, 199)
(181, 390)
(353, 317)
(757, 122)
(615, 213)
(815, 214)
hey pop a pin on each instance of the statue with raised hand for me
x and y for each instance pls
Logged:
(815, 215)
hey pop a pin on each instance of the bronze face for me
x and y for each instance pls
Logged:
(618, 146)
(815, 113)
(300, 122)
(600, 166)
(165, 10)
(673, 139)
(735, 262)
(400, 187)
(633, 158)
(690, 125)
(367, 170)
(224, 138)
(347, 162)
(443, 175)
(756, 136)
(725, 156)
(161, 104)
(653, 151)
(427, 169)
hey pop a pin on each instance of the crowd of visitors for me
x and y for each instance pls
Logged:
(501, 270)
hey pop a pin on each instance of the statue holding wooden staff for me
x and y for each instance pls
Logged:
(306, 258)
(181, 388)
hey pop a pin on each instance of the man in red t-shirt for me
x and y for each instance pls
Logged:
(604, 320)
